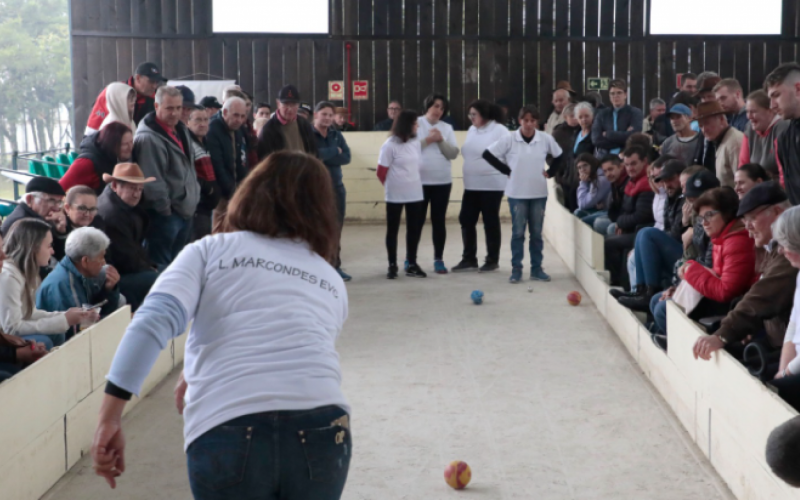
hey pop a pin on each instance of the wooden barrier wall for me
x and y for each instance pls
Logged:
(49, 411)
(407, 49)
(727, 413)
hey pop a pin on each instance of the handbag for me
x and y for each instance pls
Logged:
(687, 297)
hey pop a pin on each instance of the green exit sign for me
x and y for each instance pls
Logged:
(598, 83)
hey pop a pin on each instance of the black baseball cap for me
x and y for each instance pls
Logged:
(307, 107)
(289, 94)
(188, 97)
(672, 168)
(151, 71)
(699, 183)
(210, 101)
(44, 185)
(766, 193)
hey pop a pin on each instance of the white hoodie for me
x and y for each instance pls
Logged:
(117, 103)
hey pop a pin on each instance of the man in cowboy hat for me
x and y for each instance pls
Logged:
(340, 120)
(126, 225)
(562, 95)
(706, 81)
(612, 126)
(720, 150)
(287, 130)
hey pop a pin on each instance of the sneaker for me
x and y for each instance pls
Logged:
(516, 275)
(617, 293)
(392, 274)
(344, 275)
(465, 265)
(414, 271)
(539, 275)
(488, 267)
(660, 340)
(439, 267)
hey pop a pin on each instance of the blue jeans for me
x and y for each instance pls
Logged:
(136, 286)
(527, 213)
(288, 455)
(49, 341)
(166, 237)
(656, 255)
(659, 310)
(7, 370)
(601, 223)
(590, 216)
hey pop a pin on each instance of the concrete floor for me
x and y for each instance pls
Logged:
(540, 398)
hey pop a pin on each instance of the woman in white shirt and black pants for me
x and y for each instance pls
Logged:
(265, 414)
(483, 187)
(398, 171)
(522, 156)
(439, 148)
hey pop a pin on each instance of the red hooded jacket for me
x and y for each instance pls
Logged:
(734, 263)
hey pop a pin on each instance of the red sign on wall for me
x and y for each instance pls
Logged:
(360, 90)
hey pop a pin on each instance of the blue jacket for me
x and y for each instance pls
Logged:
(627, 116)
(328, 152)
(66, 287)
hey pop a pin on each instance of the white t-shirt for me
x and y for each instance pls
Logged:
(527, 163)
(403, 183)
(659, 200)
(267, 312)
(478, 174)
(435, 168)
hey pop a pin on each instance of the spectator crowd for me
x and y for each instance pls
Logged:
(695, 199)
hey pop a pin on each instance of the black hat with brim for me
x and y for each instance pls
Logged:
(44, 185)
(766, 193)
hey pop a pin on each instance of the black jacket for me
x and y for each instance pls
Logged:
(627, 117)
(673, 217)
(103, 162)
(384, 126)
(637, 210)
(60, 240)
(144, 104)
(789, 158)
(271, 137)
(617, 196)
(125, 227)
(20, 212)
(229, 166)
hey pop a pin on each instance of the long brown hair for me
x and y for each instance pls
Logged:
(21, 244)
(288, 195)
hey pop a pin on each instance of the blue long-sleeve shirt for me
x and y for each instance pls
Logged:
(592, 194)
(328, 151)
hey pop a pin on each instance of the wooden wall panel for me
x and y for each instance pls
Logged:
(516, 49)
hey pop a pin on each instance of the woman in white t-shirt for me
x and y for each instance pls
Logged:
(265, 414)
(522, 156)
(398, 171)
(786, 233)
(439, 148)
(483, 187)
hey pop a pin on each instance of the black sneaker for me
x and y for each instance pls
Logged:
(465, 266)
(617, 293)
(660, 341)
(414, 271)
(392, 274)
(488, 267)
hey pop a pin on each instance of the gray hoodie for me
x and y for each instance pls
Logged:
(176, 188)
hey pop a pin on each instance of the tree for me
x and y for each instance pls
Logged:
(34, 70)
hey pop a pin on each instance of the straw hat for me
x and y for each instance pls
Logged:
(128, 172)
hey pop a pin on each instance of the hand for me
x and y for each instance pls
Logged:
(783, 373)
(31, 353)
(112, 277)
(59, 221)
(340, 150)
(108, 451)
(668, 293)
(180, 393)
(687, 237)
(546, 175)
(618, 231)
(686, 214)
(604, 134)
(583, 176)
(434, 136)
(630, 129)
(76, 315)
(683, 268)
(705, 346)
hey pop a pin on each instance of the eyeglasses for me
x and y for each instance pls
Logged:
(473, 115)
(394, 108)
(751, 217)
(52, 201)
(86, 210)
(708, 216)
